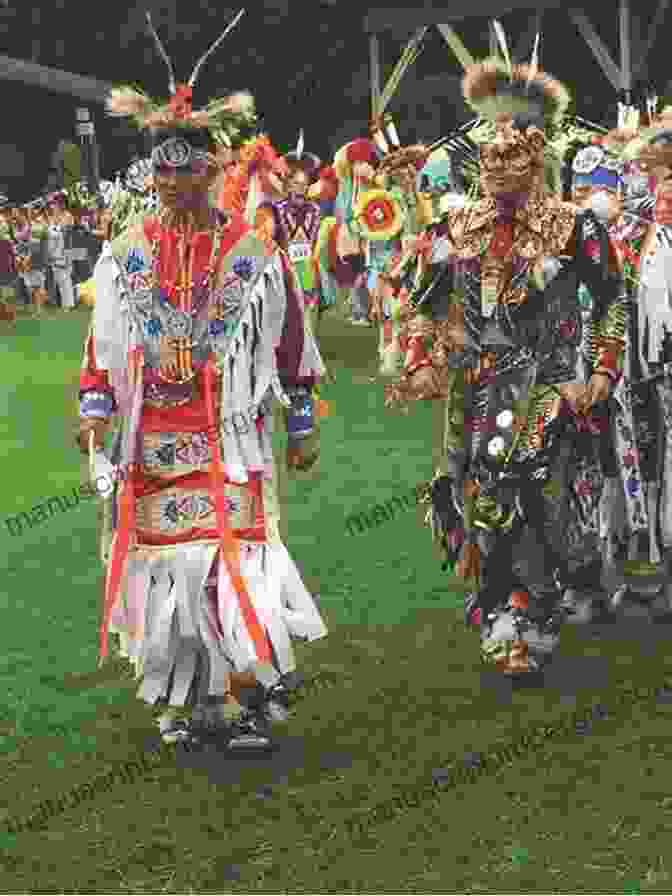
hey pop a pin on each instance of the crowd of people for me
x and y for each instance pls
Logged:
(517, 272)
(47, 249)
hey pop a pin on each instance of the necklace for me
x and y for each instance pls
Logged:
(178, 368)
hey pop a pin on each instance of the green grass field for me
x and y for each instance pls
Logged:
(586, 813)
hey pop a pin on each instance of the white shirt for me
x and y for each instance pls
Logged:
(56, 246)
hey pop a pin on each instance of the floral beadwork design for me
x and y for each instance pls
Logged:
(179, 449)
(178, 511)
(231, 505)
(243, 267)
(568, 328)
(135, 262)
(193, 449)
(153, 327)
(221, 328)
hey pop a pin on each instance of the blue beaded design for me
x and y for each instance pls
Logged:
(243, 267)
(135, 262)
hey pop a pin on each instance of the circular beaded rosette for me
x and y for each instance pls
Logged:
(379, 215)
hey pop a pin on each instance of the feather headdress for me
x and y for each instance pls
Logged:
(496, 88)
(306, 161)
(652, 145)
(228, 119)
(383, 129)
(526, 94)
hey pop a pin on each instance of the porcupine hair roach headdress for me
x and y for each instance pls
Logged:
(533, 102)
(642, 147)
(651, 146)
(179, 134)
(644, 143)
(497, 89)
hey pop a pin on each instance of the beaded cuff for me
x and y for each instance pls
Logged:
(96, 404)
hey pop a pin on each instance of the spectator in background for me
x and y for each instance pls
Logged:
(22, 252)
(83, 252)
(58, 257)
(7, 269)
(102, 226)
(35, 278)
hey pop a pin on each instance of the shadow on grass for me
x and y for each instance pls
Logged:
(402, 700)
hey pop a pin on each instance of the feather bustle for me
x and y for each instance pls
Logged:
(128, 102)
(239, 103)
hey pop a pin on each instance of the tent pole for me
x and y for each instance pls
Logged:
(624, 40)
(525, 41)
(374, 56)
(600, 52)
(644, 49)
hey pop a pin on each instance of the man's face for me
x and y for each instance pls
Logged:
(181, 189)
(510, 163)
(298, 183)
(272, 183)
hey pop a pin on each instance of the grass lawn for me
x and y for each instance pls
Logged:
(587, 813)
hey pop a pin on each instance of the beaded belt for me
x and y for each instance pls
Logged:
(170, 396)
(176, 512)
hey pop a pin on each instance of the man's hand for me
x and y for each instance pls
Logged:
(596, 391)
(425, 384)
(96, 425)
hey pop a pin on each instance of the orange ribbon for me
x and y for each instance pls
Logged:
(125, 526)
(229, 545)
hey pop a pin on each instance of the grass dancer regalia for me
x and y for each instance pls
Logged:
(494, 328)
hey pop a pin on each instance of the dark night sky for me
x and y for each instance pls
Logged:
(305, 61)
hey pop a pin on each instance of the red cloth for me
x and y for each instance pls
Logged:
(328, 173)
(91, 377)
(7, 257)
(169, 260)
(361, 150)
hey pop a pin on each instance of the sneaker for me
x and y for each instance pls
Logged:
(174, 730)
(245, 733)
(577, 606)
(275, 707)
